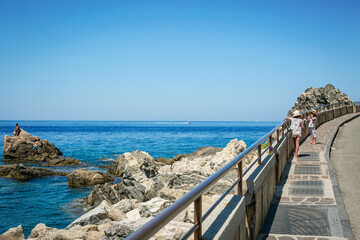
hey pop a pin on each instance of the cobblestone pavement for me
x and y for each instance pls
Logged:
(305, 205)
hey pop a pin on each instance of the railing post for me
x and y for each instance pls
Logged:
(240, 178)
(277, 134)
(283, 130)
(259, 154)
(270, 144)
(198, 218)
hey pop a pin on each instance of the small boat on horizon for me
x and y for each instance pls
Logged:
(188, 122)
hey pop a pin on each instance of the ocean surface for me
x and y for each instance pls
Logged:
(51, 201)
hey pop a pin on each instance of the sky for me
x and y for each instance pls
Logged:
(172, 60)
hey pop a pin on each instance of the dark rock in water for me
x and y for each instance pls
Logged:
(314, 97)
(104, 166)
(20, 148)
(62, 162)
(165, 161)
(133, 163)
(82, 177)
(20, 172)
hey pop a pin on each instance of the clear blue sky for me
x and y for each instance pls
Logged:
(172, 60)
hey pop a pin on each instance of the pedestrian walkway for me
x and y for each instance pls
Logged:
(307, 204)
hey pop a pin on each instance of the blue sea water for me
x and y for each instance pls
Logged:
(51, 201)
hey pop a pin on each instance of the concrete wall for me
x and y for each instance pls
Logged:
(227, 221)
(337, 112)
(350, 109)
(261, 188)
(329, 115)
(281, 150)
(321, 118)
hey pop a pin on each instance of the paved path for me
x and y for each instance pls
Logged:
(345, 159)
(307, 204)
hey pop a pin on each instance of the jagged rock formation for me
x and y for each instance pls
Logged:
(20, 172)
(82, 177)
(314, 97)
(20, 148)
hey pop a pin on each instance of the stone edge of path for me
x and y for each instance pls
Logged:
(344, 218)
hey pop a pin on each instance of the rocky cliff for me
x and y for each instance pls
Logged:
(314, 97)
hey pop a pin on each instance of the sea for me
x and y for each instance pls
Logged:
(51, 201)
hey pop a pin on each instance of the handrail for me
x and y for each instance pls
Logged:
(164, 217)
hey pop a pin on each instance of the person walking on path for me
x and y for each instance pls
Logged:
(296, 126)
(312, 125)
(17, 130)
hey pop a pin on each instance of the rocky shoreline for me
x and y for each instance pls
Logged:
(147, 185)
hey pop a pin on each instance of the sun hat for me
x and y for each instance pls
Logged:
(296, 113)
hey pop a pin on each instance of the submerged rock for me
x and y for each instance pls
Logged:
(20, 148)
(62, 162)
(82, 177)
(20, 172)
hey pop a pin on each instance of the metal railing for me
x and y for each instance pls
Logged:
(195, 195)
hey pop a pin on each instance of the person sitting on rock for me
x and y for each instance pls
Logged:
(17, 130)
(36, 147)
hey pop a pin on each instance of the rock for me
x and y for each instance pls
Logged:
(113, 193)
(129, 164)
(16, 233)
(164, 161)
(20, 148)
(174, 230)
(63, 234)
(186, 181)
(171, 231)
(116, 214)
(61, 162)
(133, 215)
(314, 97)
(82, 177)
(171, 194)
(42, 232)
(125, 205)
(95, 216)
(153, 207)
(104, 166)
(117, 211)
(123, 229)
(20, 172)
(109, 192)
(206, 160)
